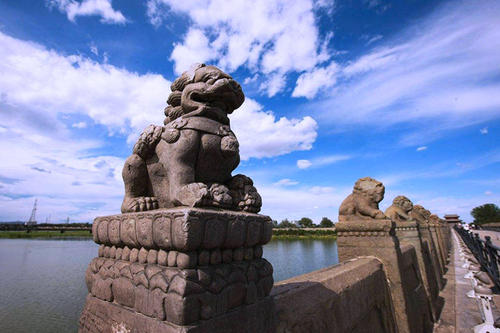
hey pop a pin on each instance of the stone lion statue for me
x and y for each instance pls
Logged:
(363, 202)
(420, 214)
(189, 160)
(433, 218)
(400, 209)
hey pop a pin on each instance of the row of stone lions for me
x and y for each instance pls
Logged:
(363, 204)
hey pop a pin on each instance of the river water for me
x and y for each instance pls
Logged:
(42, 287)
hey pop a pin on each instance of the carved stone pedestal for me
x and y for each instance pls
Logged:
(176, 270)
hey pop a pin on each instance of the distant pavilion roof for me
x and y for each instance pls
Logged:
(452, 218)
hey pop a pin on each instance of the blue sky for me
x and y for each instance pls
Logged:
(407, 92)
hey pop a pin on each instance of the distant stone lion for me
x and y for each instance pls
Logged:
(400, 209)
(420, 214)
(363, 202)
(188, 162)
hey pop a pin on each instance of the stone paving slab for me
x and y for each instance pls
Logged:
(460, 313)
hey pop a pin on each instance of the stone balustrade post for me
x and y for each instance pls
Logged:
(408, 232)
(429, 248)
(433, 227)
(377, 238)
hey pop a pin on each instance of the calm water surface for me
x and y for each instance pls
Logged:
(42, 287)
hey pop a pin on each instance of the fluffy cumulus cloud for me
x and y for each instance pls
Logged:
(51, 84)
(262, 135)
(444, 68)
(321, 78)
(270, 37)
(101, 8)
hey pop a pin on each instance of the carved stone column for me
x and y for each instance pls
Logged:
(377, 238)
(179, 270)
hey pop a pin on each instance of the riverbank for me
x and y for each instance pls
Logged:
(278, 234)
(309, 233)
(43, 234)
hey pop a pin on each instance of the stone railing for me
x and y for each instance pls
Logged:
(165, 271)
(487, 254)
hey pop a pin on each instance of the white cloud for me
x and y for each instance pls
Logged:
(57, 169)
(320, 78)
(94, 49)
(303, 164)
(195, 49)
(484, 130)
(444, 68)
(488, 193)
(262, 135)
(286, 182)
(49, 83)
(271, 37)
(80, 124)
(422, 148)
(102, 8)
(322, 161)
(374, 39)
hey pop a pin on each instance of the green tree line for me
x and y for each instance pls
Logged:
(304, 222)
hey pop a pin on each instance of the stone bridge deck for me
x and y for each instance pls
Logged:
(460, 313)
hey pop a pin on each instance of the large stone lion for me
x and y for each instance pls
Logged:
(362, 203)
(188, 162)
(400, 209)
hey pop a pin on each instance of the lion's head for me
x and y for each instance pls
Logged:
(371, 188)
(403, 202)
(204, 91)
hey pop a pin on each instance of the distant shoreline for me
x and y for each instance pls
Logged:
(43, 234)
(278, 234)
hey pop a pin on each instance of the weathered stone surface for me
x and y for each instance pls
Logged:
(378, 238)
(350, 297)
(114, 231)
(172, 258)
(162, 226)
(257, 317)
(362, 204)
(143, 256)
(162, 258)
(123, 291)
(185, 229)
(142, 286)
(187, 260)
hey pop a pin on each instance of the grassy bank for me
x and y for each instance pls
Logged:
(292, 234)
(45, 234)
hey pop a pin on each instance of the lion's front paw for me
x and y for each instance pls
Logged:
(220, 196)
(380, 215)
(193, 195)
(139, 204)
